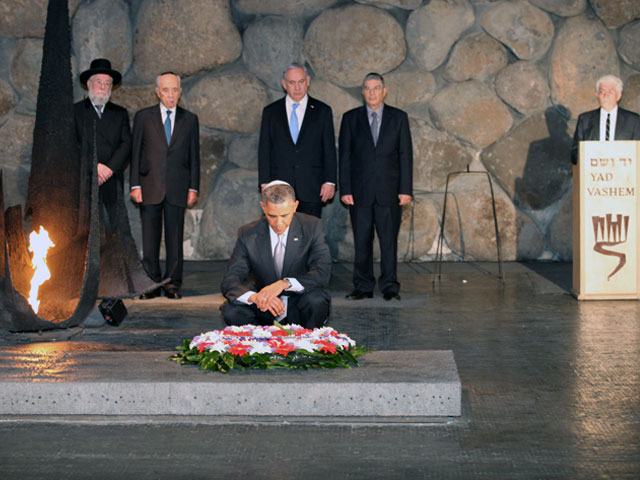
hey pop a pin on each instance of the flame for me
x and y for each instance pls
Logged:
(39, 243)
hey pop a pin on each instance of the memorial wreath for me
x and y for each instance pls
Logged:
(266, 347)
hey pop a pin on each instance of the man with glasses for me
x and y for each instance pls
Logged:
(104, 127)
(609, 122)
(376, 180)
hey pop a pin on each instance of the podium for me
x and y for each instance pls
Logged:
(606, 209)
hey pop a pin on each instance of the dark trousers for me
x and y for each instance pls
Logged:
(314, 209)
(386, 220)
(151, 217)
(309, 309)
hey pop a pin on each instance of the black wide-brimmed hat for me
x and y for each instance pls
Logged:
(100, 65)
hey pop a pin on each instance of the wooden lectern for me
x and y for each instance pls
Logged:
(606, 221)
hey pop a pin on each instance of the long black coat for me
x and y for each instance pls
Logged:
(113, 141)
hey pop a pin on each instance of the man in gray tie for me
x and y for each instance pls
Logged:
(280, 266)
(609, 122)
(297, 143)
(376, 180)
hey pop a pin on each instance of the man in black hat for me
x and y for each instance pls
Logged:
(105, 125)
(111, 123)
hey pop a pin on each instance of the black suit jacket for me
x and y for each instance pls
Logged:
(305, 165)
(306, 258)
(588, 128)
(165, 170)
(375, 173)
(113, 141)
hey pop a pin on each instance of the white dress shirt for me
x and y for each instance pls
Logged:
(296, 286)
(612, 124)
(302, 107)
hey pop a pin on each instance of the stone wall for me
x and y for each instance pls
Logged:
(496, 85)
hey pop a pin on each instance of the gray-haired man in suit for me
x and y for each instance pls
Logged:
(609, 122)
(165, 177)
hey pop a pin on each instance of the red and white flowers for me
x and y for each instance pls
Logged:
(252, 339)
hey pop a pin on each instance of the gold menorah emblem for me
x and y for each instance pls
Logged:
(608, 232)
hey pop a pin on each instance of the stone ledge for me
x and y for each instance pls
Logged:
(387, 384)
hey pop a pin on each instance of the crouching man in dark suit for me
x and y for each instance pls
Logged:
(280, 266)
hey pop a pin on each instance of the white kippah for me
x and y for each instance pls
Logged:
(276, 182)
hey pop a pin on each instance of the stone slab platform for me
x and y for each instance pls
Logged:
(387, 384)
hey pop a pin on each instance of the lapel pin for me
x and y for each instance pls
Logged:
(295, 239)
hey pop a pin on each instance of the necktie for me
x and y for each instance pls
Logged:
(374, 127)
(293, 123)
(99, 111)
(278, 256)
(167, 127)
(607, 127)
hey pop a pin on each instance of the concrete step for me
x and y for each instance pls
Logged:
(42, 379)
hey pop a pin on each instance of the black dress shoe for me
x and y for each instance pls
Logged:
(173, 293)
(152, 294)
(358, 295)
(389, 296)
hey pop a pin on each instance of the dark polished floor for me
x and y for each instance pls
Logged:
(551, 389)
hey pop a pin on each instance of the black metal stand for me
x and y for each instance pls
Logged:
(444, 213)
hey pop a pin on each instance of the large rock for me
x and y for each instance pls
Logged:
(233, 203)
(26, 18)
(582, 52)
(435, 155)
(419, 228)
(184, 37)
(631, 94)
(298, 8)
(25, 71)
(561, 230)
(525, 29)
(472, 112)
(16, 136)
(524, 86)
(270, 45)
(231, 101)
(615, 13)
(470, 229)
(629, 46)
(95, 26)
(339, 100)
(8, 98)
(406, 86)
(404, 4)
(475, 56)
(532, 161)
(563, 8)
(243, 151)
(212, 155)
(433, 28)
(344, 44)
(135, 97)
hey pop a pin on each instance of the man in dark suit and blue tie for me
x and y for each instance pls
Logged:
(280, 266)
(297, 143)
(609, 122)
(165, 177)
(376, 180)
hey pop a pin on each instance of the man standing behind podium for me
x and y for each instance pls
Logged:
(609, 122)
(297, 143)
(280, 266)
(165, 177)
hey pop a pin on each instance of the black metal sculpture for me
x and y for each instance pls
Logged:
(91, 258)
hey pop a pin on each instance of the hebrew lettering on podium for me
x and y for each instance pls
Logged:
(610, 233)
